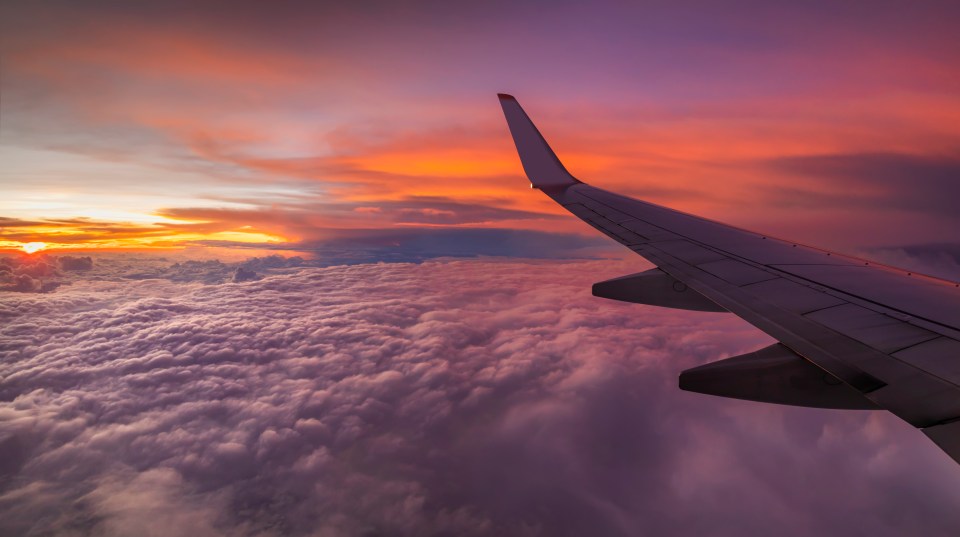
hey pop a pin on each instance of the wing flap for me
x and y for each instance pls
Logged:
(940, 356)
(793, 297)
(879, 331)
(923, 297)
(736, 272)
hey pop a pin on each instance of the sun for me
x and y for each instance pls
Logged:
(31, 247)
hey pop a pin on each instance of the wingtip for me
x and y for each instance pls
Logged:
(541, 165)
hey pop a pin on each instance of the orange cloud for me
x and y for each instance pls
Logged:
(85, 233)
(319, 140)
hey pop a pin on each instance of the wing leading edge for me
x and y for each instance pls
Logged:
(852, 333)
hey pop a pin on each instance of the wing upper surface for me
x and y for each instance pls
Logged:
(923, 297)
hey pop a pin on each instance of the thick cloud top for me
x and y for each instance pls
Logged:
(446, 398)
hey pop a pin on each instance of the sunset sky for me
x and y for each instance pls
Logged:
(288, 279)
(166, 124)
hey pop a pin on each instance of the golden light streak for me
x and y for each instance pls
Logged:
(32, 247)
(104, 235)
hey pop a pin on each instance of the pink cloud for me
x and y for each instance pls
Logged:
(465, 397)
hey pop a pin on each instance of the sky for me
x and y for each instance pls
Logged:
(159, 124)
(289, 278)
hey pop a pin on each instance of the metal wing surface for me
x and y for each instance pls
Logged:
(852, 333)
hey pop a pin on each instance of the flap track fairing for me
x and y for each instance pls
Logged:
(774, 374)
(655, 288)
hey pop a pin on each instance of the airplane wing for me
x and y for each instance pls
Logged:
(852, 333)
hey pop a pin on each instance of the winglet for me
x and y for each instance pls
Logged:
(541, 164)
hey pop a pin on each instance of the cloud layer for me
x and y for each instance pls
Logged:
(446, 398)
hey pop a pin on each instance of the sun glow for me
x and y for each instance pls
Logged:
(32, 247)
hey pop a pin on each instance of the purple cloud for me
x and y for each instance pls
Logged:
(925, 184)
(449, 397)
(28, 274)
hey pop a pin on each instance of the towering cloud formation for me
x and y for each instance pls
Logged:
(447, 398)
